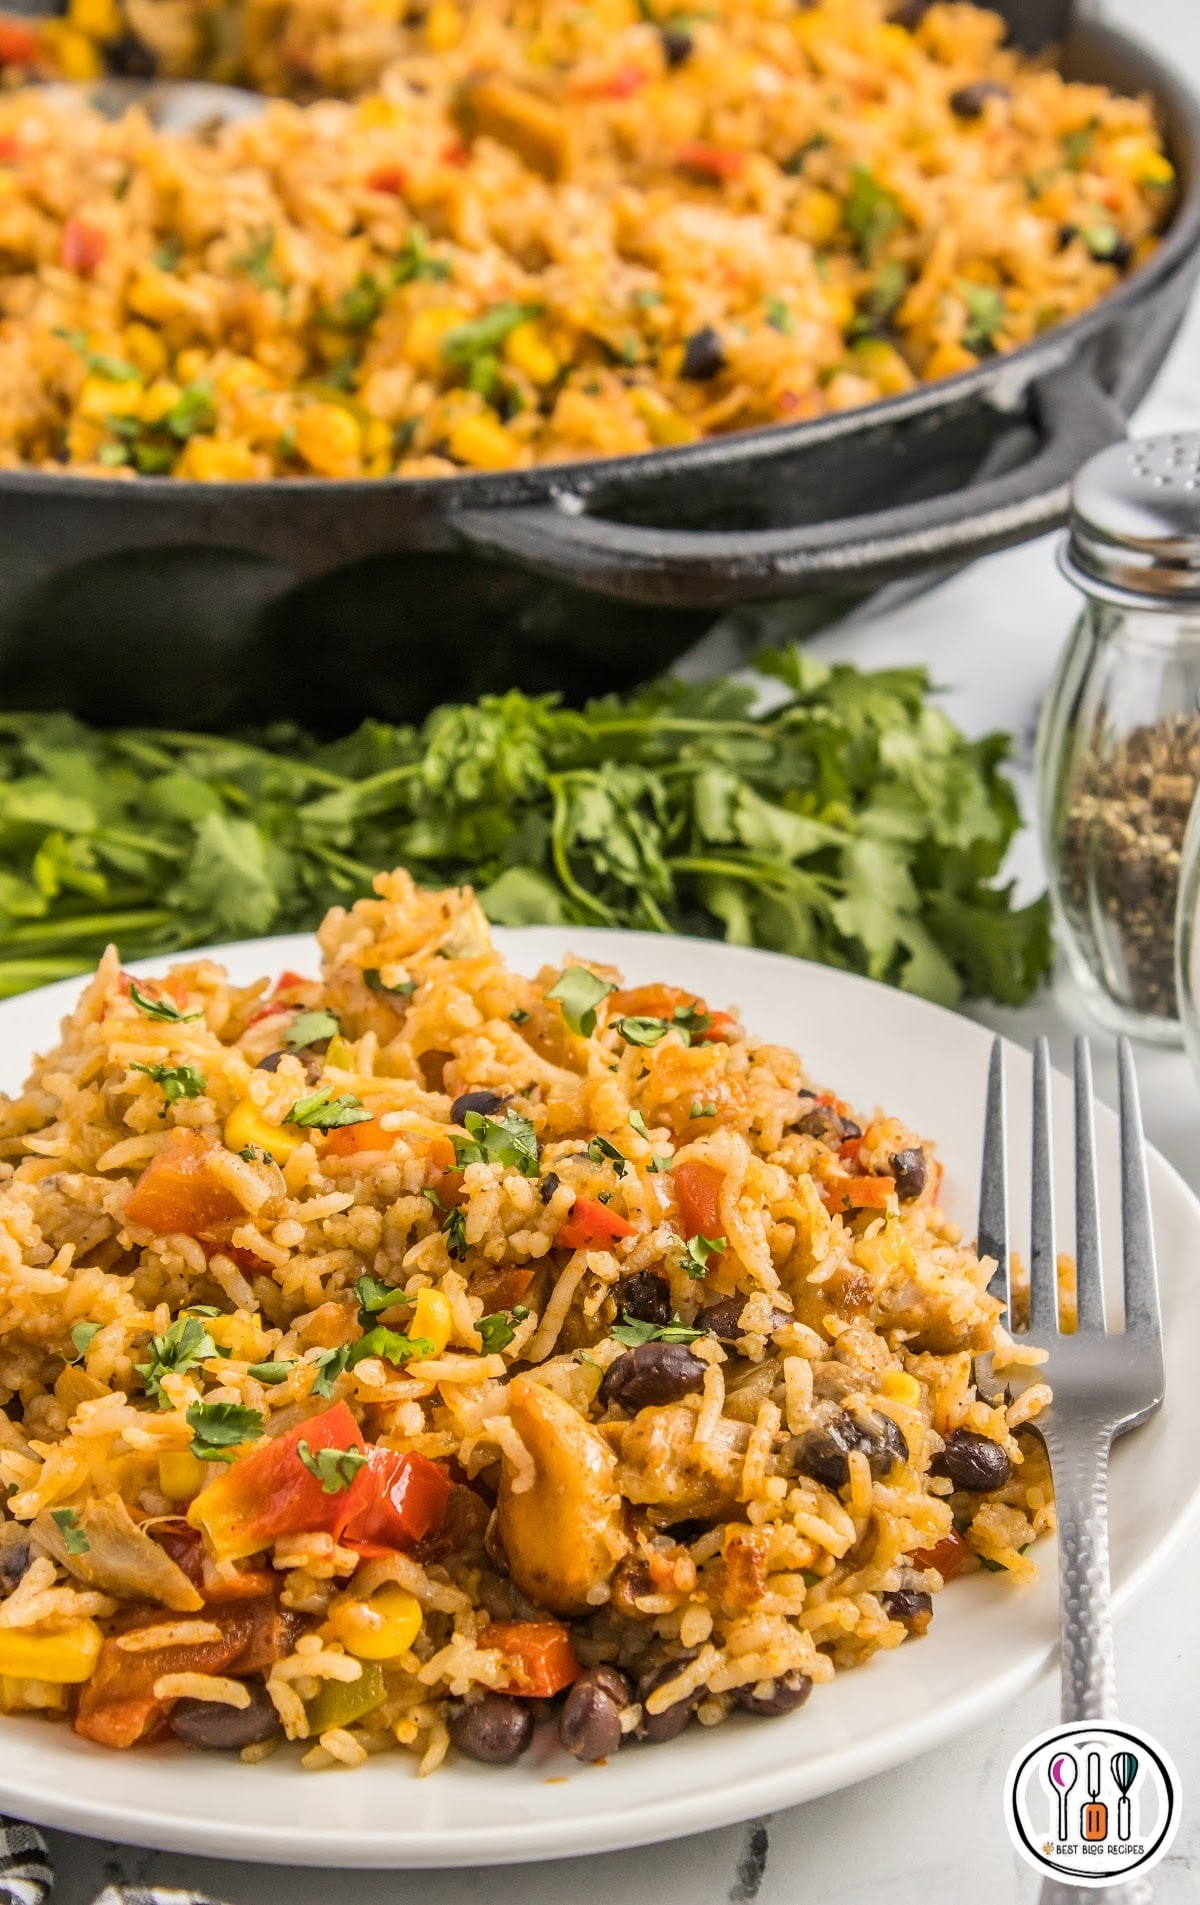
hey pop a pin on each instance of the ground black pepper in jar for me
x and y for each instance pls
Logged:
(1119, 747)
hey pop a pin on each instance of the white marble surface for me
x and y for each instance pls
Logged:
(930, 1833)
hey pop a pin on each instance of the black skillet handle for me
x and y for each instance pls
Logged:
(713, 568)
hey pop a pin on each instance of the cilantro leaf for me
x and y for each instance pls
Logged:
(374, 1296)
(271, 1373)
(986, 312)
(469, 344)
(177, 1081)
(72, 1534)
(600, 1149)
(163, 1009)
(510, 1141)
(374, 983)
(390, 1346)
(638, 1124)
(454, 1229)
(872, 213)
(497, 1330)
(182, 1345)
(643, 1031)
(698, 1251)
(311, 1028)
(329, 1365)
(579, 992)
(81, 1336)
(321, 1111)
(633, 1332)
(335, 1469)
(219, 1429)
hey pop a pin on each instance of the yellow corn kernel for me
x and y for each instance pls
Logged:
(31, 1696)
(526, 348)
(443, 26)
(238, 373)
(483, 442)
(158, 400)
(378, 111)
(190, 365)
(1137, 158)
(883, 363)
(109, 397)
(378, 1629)
(948, 359)
(431, 1319)
(74, 55)
(145, 348)
(340, 1052)
(427, 333)
(65, 1657)
(329, 439)
(98, 19)
(377, 438)
(818, 216)
(840, 304)
(157, 295)
(246, 1124)
(898, 1386)
(665, 424)
(207, 461)
(180, 1475)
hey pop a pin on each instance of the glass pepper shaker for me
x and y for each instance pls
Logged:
(1119, 743)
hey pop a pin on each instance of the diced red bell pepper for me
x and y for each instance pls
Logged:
(268, 1493)
(709, 161)
(698, 1189)
(368, 1135)
(396, 1501)
(388, 178)
(456, 153)
(947, 1556)
(10, 148)
(177, 1191)
(20, 45)
(82, 246)
(622, 84)
(856, 1193)
(117, 1706)
(541, 1654)
(591, 1225)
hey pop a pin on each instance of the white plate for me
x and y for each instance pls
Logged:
(876, 1046)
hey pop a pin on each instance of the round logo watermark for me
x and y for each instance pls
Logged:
(1092, 1804)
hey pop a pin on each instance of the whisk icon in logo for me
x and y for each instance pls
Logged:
(1092, 1804)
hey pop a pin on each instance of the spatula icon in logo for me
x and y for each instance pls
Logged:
(1124, 1771)
(1062, 1773)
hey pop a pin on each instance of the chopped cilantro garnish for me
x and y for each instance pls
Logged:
(390, 1346)
(599, 1149)
(255, 261)
(1076, 145)
(872, 213)
(254, 1154)
(72, 1534)
(163, 1009)
(374, 983)
(518, 1015)
(219, 1429)
(454, 1229)
(466, 344)
(181, 1346)
(697, 1251)
(633, 1332)
(335, 1469)
(497, 1330)
(638, 1123)
(329, 1365)
(779, 317)
(357, 308)
(702, 1111)
(374, 1296)
(81, 1336)
(114, 369)
(322, 1112)
(271, 1373)
(509, 1141)
(177, 1081)
(643, 1031)
(985, 315)
(416, 260)
(166, 255)
(310, 1028)
(579, 992)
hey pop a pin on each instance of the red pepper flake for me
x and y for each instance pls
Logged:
(456, 153)
(708, 161)
(83, 246)
(388, 178)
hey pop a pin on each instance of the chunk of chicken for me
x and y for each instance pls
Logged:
(564, 1535)
(659, 1465)
(120, 1557)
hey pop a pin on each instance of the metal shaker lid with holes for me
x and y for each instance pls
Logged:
(1134, 529)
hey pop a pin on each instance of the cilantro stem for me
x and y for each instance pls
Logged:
(557, 784)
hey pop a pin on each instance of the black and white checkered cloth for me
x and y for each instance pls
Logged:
(26, 1877)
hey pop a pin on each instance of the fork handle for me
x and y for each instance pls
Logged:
(1079, 1462)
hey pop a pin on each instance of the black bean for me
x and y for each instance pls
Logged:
(909, 1606)
(823, 1122)
(724, 1319)
(660, 1727)
(972, 1461)
(825, 1453)
(791, 1690)
(1065, 235)
(220, 1728)
(969, 101)
(909, 1170)
(16, 1557)
(677, 45)
(653, 1373)
(496, 1729)
(589, 1725)
(703, 356)
(484, 1102)
(548, 1186)
(130, 58)
(310, 1066)
(646, 1297)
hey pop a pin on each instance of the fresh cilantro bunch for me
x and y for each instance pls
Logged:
(849, 823)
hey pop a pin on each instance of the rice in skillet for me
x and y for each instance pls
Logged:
(554, 232)
(382, 1352)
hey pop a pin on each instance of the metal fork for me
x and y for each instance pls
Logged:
(1105, 1382)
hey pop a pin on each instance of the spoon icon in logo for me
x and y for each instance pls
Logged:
(1062, 1774)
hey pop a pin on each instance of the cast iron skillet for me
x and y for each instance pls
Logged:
(324, 600)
